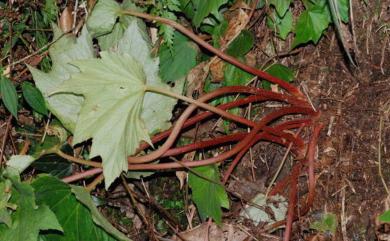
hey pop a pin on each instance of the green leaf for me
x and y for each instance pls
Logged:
(68, 48)
(9, 96)
(75, 218)
(203, 8)
(208, 196)
(280, 71)
(29, 218)
(83, 196)
(311, 24)
(157, 109)
(167, 31)
(114, 89)
(283, 26)
(103, 17)
(242, 44)
(50, 11)
(178, 61)
(34, 98)
(385, 217)
(5, 195)
(327, 223)
(343, 7)
(281, 6)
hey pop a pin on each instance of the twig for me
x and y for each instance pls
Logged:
(37, 51)
(95, 182)
(282, 163)
(139, 211)
(5, 135)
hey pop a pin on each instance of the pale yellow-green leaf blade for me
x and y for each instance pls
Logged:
(68, 48)
(114, 89)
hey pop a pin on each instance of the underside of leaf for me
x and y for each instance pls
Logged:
(113, 88)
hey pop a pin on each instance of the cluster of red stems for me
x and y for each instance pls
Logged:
(295, 103)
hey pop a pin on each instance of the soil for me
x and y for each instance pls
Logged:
(352, 101)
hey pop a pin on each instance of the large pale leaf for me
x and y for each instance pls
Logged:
(272, 209)
(75, 218)
(29, 217)
(68, 48)
(103, 17)
(157, 109)
(113, 88)
(208, 196)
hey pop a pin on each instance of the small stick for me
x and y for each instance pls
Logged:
(4, 141)
(95, 182)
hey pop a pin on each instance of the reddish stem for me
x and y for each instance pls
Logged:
(82, 175)
(267, 119)
(290, 88)
(279, 130)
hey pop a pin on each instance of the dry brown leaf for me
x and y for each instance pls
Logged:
(216, 70)
(195, 79)
(66, 20)
(90, 5)
(236, 23)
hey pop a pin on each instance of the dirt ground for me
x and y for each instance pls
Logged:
(352, 101)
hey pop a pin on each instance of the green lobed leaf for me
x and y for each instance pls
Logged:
(29, 217)
(280, 71)
(34, 98)
(68, 48)
(75, 218)
(114, 89)
(176, 63)
(283, 26)
(103, 17)
(85, 198)
(311, 24)
(9, 95)
(203, 8)
(281, 6)
(209, 197)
